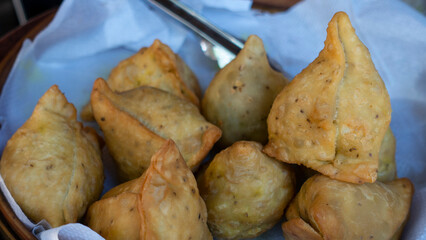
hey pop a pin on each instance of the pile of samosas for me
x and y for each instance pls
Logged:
(318, 150)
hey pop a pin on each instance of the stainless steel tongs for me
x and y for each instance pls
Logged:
(216, 44)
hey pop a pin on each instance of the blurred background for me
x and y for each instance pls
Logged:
(17, 12)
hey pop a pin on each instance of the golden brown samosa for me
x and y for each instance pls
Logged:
(245, 191)
(52, 165)
(330, 209)
(163, 203)
(156, 66)
(136, 123)
(240, 96)
(332, 117)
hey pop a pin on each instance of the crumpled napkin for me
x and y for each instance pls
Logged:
(87, 39)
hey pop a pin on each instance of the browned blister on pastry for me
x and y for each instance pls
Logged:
(52, 165)
(326, 208)
(332, 117)
(245, 191)
(137, 122)
(163, 203)
(240, 96)
(156, 66)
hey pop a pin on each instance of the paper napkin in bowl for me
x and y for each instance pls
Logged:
(87, 39)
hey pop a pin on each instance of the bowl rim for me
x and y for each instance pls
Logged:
(10, 45)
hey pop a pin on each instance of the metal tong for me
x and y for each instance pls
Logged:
(216, 44)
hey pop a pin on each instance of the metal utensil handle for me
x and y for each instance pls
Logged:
(199, 25)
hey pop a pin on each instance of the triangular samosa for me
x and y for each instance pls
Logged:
(136, 123)
(245, 191)
(326, 208)
(52, 165)
(156, 66)
(241, 94)
(163, 203)
(332, 117)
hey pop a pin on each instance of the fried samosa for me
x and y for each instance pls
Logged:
(156, 66)
(240, 96)
(245, 191)
(163, 203)
(136, 124)
(52, 165)
(330, 209)
(334, 114)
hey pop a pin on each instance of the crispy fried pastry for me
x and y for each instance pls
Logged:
(240, 96)
(163, 203)
(157, 66)
(333, 116)
(245, 191)
(330, 209)
(136, 124)
(387, 164)
(52, 165)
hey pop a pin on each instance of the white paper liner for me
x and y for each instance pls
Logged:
(87, 39)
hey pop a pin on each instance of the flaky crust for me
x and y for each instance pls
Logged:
(240, 96)
(330, 209)
(52, 165)
(137, 122)
(332, 117)
(156, 66)
(163, 203)
(245, 191)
